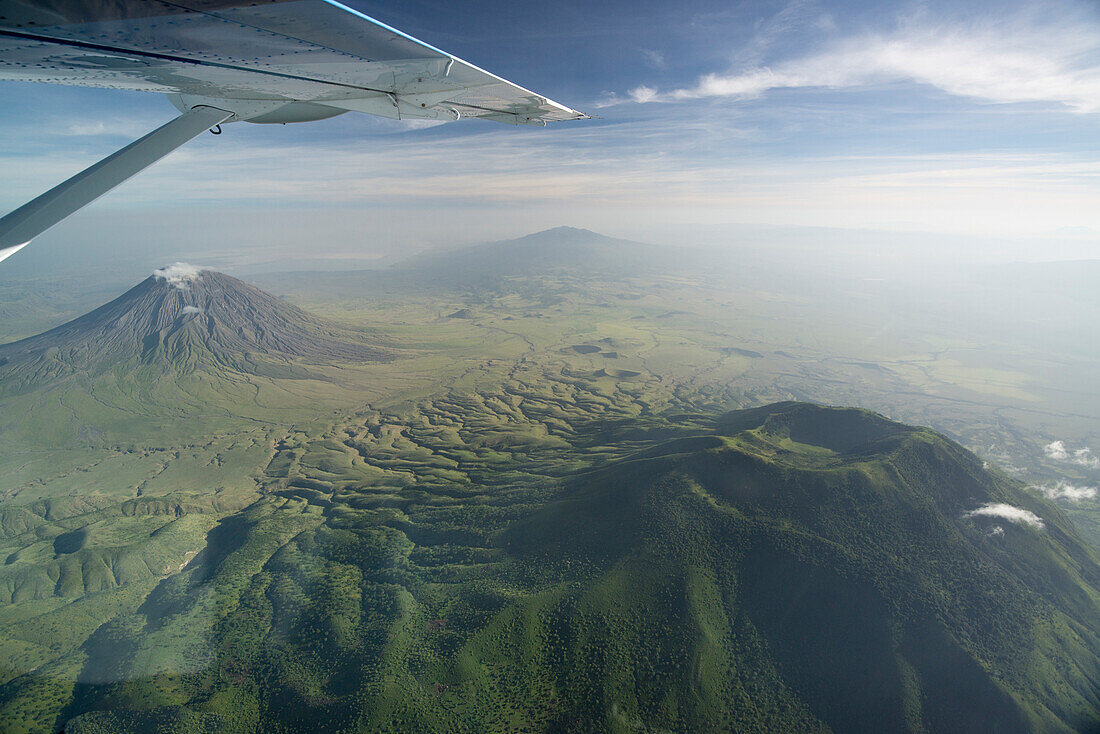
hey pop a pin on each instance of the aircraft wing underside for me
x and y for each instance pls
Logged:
(314, 51)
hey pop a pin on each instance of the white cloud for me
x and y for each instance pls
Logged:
(1005, 511)
(179, 274)
(1056, 450)
(422, 124)
(996, 532)
(116, 126)
(1021, 60)
(656, 59)
(1082, 457)
(1063, 490)
(607, 99)
(98, 127)
(190, 310)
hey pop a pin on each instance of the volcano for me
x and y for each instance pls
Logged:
(806, 568)
(180, 319)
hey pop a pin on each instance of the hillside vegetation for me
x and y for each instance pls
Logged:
(515, 498)
(540, 566)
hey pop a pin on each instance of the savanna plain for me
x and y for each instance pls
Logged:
(564, 483)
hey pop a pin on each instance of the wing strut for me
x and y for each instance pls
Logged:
(19, 227)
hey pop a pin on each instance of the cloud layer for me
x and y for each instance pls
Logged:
(1006, 511)
(1013, 59)
(1026, 56)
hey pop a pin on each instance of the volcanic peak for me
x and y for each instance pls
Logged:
(182, 317)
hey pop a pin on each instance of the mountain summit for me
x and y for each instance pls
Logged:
(180, 318)
(805, 568)
(552, 250)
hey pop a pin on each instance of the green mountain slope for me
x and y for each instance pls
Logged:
(601, 566)
(825, 555)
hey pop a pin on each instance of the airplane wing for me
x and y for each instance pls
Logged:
(264, 61)
(315, 51)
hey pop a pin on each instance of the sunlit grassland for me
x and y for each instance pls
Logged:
(211, 546)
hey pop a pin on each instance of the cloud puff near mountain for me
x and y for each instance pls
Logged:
(1082, 457)
(1008, 512)
(1063, 490)
(179, 274)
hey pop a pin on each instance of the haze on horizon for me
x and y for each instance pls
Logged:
(965, 134)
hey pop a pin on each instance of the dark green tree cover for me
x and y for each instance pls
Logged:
(560, 558)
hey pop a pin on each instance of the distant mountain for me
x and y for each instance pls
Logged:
(558, 249)
(807, 567)
(175, 321)
(562, 251)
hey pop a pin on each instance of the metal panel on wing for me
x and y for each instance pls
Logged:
(305, 50)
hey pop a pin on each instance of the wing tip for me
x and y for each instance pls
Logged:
(9, 251)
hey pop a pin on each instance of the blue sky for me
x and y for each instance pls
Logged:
(978, 124)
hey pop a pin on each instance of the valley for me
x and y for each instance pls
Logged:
(536, 499)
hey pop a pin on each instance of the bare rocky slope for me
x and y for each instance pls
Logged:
(180, 318)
